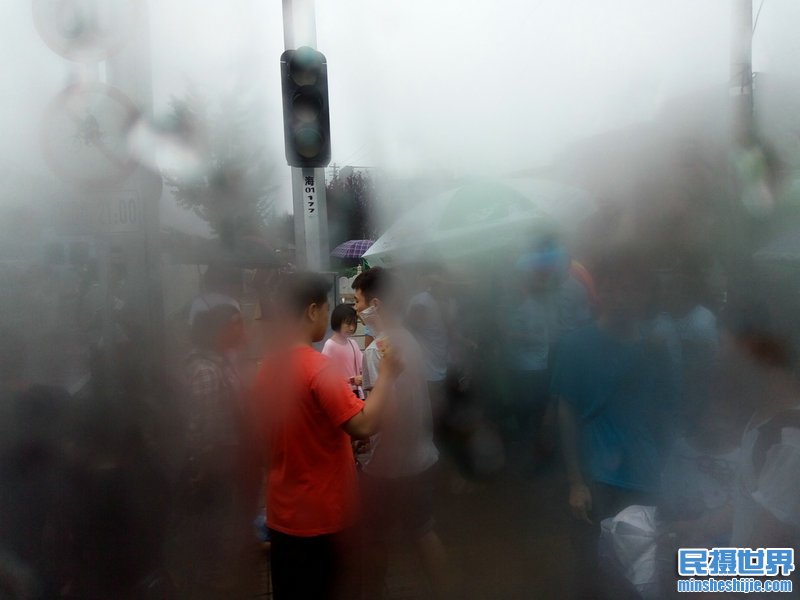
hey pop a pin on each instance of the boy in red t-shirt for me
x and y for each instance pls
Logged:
(308, 414)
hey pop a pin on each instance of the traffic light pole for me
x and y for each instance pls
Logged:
(742, 73)
(308, 185)
(310, 218)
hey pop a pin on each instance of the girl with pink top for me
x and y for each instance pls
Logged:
(342, 349)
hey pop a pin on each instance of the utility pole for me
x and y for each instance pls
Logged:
(116, 201)
(130, 70)
(308, 184)
(742, 73)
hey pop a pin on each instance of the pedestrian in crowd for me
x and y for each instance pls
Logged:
(553, 299)
(761, 363)
(695, 507)
(698, 484)
(397, 481)
(569, 286)
(427, 318)
(527, 328)
(343, 350)
(614, 398)
(688, 329)
(34, 424)
(221, 285)
(307, 414)
(220, 480)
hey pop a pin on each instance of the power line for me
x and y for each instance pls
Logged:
(758, 14)
(354, 154)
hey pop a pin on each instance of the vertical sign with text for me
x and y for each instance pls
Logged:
(310, 196)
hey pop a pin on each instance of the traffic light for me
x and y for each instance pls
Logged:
(306, 119)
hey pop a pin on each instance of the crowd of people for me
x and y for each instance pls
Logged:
(654, 398)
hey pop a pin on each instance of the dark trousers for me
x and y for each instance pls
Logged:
(522, 423)
(303, 567)
(529, 394)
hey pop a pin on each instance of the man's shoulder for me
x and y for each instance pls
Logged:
(303, 361)
(310, 361)
(403, 337)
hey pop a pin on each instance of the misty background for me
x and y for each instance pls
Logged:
(461, 88)
(618, 115)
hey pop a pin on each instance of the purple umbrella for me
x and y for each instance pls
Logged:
(352, 249)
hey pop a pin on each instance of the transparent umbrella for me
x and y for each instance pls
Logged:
(352, 249)
(478, 218)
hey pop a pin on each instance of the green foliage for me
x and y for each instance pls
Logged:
(233, 185)
(351, 201)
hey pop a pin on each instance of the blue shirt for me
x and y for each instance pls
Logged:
(621, 395)
(529, 344)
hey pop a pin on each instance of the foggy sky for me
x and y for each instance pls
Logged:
(457, 86)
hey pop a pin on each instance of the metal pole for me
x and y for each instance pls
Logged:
(742, 73)
(130, 71)
(308, 185)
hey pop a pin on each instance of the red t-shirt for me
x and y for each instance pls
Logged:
(311, 488)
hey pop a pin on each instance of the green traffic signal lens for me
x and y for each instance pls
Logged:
(308, 141)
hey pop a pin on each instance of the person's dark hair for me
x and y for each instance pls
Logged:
(755, 331)
(302, 289)
(343, 314)
(376, 283)
(207, 325)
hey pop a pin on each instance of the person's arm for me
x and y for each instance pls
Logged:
(580, 498)
(365, 423)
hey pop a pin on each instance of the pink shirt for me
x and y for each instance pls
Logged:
(347, 357)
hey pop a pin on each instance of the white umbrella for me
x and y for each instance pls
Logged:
(480, 217)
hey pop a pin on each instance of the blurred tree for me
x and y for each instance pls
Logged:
(228, 179)
(352, 199)
(280, 230)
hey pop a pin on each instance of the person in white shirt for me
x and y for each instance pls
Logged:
(397, 484)
(758, 361)
(427, 317)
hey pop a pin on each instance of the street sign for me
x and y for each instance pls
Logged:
(85, 136)
(86, 30)
(112, 211)
(108, 212)
(311, 218)
(310, 200)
